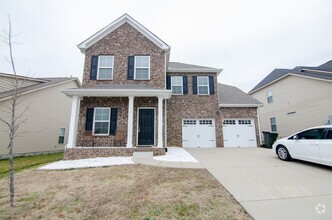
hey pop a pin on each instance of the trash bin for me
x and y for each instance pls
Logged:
(269, 139)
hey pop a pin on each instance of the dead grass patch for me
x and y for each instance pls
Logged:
(122, 192)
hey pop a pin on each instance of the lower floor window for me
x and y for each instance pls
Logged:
(61, 139)
(101, 121)
(273, 124)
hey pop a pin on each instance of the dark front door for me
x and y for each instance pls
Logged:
(146, 127)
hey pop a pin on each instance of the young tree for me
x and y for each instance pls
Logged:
(15, 120)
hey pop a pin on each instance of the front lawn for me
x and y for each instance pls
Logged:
(22, 163)
(119, 192)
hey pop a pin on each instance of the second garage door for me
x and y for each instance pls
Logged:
(239, 132)
(198, 133)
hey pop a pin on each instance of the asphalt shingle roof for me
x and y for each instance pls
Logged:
(313, 72)
(176, 66)
(47, 82)
(231, 95)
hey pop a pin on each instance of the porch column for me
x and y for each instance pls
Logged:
(130, 121)
(160, 122)
(73, 122)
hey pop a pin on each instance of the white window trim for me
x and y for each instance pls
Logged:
(105, 67)
(268, 96)
(208, 85)
(94, 121)
(275, 124)
(142, 68)
(177, 85)
(60, 135)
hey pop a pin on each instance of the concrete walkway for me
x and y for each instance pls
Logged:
(269, 188)
(152, 162)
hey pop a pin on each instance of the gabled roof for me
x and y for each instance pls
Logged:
(231, 96)
(184, 67)
(42, 83)
(322, 72)
(117, 23)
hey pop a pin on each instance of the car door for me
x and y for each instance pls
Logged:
(306, 146)
(326, 148)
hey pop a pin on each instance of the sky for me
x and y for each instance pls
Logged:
(247, 39)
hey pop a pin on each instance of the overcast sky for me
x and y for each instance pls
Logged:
(247, 39)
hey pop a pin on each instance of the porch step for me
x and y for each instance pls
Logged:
(143, 155)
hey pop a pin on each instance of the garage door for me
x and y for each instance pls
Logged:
(198, 133)
(239, 133)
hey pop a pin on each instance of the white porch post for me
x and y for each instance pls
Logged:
(160, 122)
(130, 121)
(73, 122)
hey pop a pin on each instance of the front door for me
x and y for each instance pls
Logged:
(146, 127)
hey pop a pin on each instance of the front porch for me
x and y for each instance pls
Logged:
(116, 122)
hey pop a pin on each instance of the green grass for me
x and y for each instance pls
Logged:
(26, 162)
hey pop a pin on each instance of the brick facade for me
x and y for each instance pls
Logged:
(86, 139)
(123, 42)
(191, 106)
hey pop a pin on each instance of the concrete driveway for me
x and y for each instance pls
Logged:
(269, 188)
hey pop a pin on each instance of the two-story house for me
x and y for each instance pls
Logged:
(295, 99)
(134, 99)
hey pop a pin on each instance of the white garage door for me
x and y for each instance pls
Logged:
(239, 133)
(198, 133)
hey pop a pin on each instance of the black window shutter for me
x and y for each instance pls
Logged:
(113, 117)
(194, 84)
(89, 119)
(94, 66)
(131, 66)
(168, 82)
(185, 85)
(211, 85)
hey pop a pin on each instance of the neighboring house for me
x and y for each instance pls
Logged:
(295, 99)
(46, 112)
(134, 98)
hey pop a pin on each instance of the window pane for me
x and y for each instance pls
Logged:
(142, 73)
(61, 132)
(102, 114)
(202, 81)
(105, 73)
(203, 90)
(101, 127)
(273, 127)
(176, 80)
(106, 61)
(177, 90)
(329, 134)
(273, 121)
(142, 61)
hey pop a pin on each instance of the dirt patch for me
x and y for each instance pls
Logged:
(122, 192)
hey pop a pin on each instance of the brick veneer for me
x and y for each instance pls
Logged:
(123, 42)
(232, 112)
(91, 152)
(191, 106)
(86, 139)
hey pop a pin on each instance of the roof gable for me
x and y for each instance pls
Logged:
(117, 23)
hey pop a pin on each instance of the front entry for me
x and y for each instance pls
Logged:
(145, 127)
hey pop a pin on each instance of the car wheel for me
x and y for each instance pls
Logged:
(283, 153)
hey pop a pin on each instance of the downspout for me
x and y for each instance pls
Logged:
(165, 123)
(259, 127)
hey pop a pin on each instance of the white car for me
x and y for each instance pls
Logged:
(312, 144)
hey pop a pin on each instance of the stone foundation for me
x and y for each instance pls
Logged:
(92, 152)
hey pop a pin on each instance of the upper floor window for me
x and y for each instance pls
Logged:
(177, 85)
(142, 68)
(101, 121)
(203, 85)
(269, 96)
(273, 124)
(105, 67)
